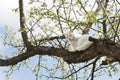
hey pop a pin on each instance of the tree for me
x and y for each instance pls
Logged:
(43, 28)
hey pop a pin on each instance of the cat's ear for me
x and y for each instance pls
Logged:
(71, 30)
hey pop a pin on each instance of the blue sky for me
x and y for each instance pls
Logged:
(7, 17)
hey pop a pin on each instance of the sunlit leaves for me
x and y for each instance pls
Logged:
(44, 4)
(15, 10)
(49, 18)
(24, 19)
(50, 13)
(118, 15)
(31, 13)
(35, 70)
(90, 17)
(22, 30)
(83, 78)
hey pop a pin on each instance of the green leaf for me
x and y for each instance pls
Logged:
(90, 17)
(118, 15)
(24, 19)
(6, 27)
(82, 78)
(37, 66)
(15, 10)
(32, 12)
(22, 30)
(34, 70)
(44, 5)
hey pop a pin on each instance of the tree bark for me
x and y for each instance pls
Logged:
(99, 48)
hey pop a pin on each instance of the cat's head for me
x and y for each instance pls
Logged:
(70, 35)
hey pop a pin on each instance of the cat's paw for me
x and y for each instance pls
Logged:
(78, 49)
(72, 50)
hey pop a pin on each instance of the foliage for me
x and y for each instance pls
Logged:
(46, 19)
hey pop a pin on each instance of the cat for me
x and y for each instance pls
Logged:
(78, 42)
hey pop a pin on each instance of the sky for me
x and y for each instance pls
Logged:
(7, 17)
(11, 19)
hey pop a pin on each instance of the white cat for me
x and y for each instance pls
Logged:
(78, 42)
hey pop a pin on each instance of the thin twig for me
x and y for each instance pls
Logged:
(93, 69)
(75, 71)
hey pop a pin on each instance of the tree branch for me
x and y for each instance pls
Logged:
(86, 30)
(75, 71)
(16, 59)
(93, 69)
(104, 20)
(22, 26)
(109, 49)
(82, 6)
(51, 38)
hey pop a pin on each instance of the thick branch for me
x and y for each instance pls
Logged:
(98, 48)
(22, 26)
(16, 59)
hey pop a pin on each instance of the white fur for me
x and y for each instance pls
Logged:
(78, 42)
